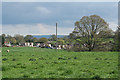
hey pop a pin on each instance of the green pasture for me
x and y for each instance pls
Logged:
(29, 62)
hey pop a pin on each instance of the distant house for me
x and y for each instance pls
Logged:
(7, 44)
(29, 44)
(37, 44)
(43, 45)
(68, 46)
(59, 47)
(40, 44)
(49, 44)
(21, 44)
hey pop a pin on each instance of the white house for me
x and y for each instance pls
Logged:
(38, 45)
(29, 44)
(8, 44)
(49, 45)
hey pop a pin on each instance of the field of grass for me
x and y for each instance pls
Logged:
(0, 63)
(28, 62)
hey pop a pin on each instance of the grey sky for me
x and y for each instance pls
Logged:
(40, 17)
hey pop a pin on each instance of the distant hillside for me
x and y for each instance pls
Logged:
(48, 36)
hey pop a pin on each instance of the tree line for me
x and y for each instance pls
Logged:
(20, 39)
(91, 33)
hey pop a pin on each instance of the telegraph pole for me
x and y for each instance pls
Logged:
(56, 36)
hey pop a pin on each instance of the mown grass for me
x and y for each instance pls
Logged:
(28, 62)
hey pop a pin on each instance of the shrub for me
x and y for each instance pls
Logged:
(96, 77)
(4, 59)
(32, 59)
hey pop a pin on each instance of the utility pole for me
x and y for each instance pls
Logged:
(56, 36)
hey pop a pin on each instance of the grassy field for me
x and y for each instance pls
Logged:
(28, 62)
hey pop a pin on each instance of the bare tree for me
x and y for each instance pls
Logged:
(90, 28)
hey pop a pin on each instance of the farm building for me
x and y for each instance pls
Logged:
(8, 44)
(40, 44)
(29, 44)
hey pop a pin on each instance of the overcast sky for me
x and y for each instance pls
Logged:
(39, 18)
(60, 0)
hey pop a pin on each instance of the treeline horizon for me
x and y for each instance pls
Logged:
(91, 33)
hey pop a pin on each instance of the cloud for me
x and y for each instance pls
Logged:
(46, 29)
(60, 0)
(40, 29)
(34, 29)
(22, 18)
(43, 10)
(68, 21)
(49, 13)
